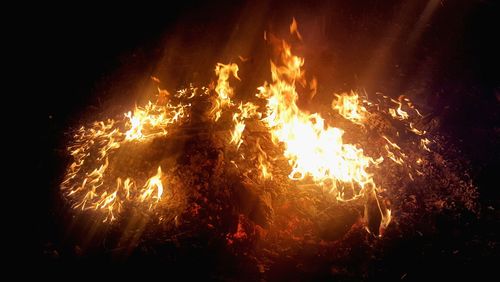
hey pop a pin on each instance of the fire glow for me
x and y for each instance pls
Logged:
(314, 148)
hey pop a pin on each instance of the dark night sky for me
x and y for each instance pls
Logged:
(92, 56)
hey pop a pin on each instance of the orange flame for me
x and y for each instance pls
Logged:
(152, 120)
(348, 106)
(223, 89)
(153, 183)
(244, 112)
(312, 147)
(93, 145)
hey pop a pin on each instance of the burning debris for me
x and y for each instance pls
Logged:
(264, 176)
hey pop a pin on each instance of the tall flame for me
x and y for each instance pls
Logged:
(223, 89)
(312, 147)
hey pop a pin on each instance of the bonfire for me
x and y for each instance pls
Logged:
(263, 177)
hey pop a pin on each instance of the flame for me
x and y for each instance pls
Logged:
(263, 164)
(294, 29)
(398, 113)
(108, 202)
(348, 106)
(424, 142)
(397, 157)
(153, 183)
(152, 120)
(92, 146)
(223, 89)
(415, 130)
(244, 112)
(312, 147)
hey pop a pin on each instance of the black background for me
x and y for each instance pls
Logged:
(89, 58)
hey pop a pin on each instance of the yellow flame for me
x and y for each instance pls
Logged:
(90, 150)
(415, 130)
(110, 203)
(424, 142)
(244, 112)
(223, 89)
(389, 147)
(348, 106)
(312, 147)
(152, 120)
(153, 184)
(398, 113)
(294, 29)
(263, 164)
